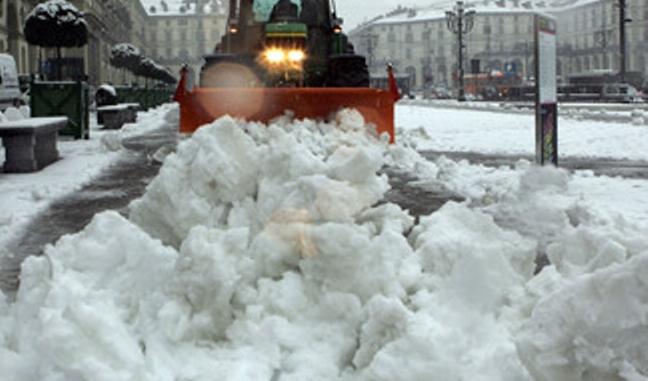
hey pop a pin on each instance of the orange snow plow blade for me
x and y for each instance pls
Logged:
(204, 105)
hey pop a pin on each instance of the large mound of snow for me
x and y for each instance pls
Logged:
(263, 253)
(591, 329)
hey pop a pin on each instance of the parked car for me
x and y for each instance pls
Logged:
(438, 93)
(621, 93)
(10, 94)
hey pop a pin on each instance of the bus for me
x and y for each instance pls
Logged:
(493, 85)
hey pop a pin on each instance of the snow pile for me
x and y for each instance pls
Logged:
(593, 328)
(262, 253)
(12, 114)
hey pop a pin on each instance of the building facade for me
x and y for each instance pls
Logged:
(170, 32)
(588, 37)
(418, 42)
(174, 39)
(12, 40)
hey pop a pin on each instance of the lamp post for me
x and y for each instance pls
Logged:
(460, 22)
(623, 20)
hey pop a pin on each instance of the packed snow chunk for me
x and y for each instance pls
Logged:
(385, 321)
(586, 250)
(355, 164)
(483, 263)
(87, 295)
(387, 217)
(25, 111)
(544, 178)
(323, 199)
(111, 141)
(209, 271)
(347, 259)
(592, 329)
(436, 343)
(223, 162)
(12, 114)
(219, 164)
(539, 206)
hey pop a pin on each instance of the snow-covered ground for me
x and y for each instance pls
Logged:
(259, 253)
(513, 133)
(25, 195)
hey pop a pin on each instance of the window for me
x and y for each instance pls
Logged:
(408, 54)
(391, 37)
(409, 37)
(182, 21)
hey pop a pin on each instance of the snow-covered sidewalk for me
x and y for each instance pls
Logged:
(259, 253)
(25, 195)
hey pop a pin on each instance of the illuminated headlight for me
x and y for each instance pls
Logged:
(275, 56)
(296, 56)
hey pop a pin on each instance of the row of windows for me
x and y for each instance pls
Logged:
(183, 35)
(518, 22)
(184, 21)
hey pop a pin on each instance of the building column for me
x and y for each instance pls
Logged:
(13, 30)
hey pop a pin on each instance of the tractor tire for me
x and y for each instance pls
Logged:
(347, 70)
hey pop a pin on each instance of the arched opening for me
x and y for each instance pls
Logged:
(183, 55)
(428, 76)
(411, 71)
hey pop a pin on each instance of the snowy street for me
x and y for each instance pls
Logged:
(507, 131)
(311, 250)
(321, 190)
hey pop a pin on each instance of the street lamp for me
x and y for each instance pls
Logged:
(623, 20)
(460, 22)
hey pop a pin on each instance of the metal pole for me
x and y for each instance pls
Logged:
(622, 39)
(460, 11)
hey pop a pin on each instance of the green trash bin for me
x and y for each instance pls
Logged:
(69, 99)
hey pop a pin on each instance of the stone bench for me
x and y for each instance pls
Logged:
(114, 117)
(30, 144)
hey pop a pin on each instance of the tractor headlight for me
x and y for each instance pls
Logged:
(296, 56)
(275, 56)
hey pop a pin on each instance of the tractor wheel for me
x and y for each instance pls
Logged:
(347, 70)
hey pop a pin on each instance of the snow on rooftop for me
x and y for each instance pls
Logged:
(181, 7)
(437, 11)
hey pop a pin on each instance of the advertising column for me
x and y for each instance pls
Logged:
(546, 91)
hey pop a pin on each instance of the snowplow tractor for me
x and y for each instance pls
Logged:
(280, 55)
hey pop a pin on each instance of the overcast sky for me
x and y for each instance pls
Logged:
(356, 11)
